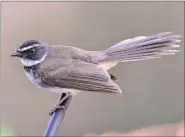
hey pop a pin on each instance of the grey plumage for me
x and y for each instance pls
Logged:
(66, 67)
(76, 74)
(143, 47)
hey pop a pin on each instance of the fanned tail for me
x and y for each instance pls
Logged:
(143, 47)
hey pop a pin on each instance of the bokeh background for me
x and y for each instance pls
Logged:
(153, 89)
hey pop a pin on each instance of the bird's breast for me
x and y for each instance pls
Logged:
(33, 77)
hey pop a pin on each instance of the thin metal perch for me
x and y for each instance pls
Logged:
(57, 117)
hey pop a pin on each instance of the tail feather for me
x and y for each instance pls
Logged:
(143, 47)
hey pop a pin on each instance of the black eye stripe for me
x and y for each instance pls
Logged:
(34, 53)
(32, 50)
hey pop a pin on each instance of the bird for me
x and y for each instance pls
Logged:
(70, 70)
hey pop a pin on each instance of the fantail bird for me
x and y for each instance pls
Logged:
(69, 69)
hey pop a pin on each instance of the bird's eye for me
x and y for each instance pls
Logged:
(32, 51)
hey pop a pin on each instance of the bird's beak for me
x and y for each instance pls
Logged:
(16, 54)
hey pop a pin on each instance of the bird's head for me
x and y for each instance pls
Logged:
(31, 52)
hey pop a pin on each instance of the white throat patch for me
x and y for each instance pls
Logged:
(29, 63)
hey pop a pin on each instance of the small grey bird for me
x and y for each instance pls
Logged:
(60, 68)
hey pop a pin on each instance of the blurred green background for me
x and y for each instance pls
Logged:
(6, 131)
(153, 89)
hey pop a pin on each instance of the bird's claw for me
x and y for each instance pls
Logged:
(60, 104)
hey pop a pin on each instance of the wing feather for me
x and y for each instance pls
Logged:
(78, 75)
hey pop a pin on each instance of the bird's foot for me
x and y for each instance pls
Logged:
(60, 104)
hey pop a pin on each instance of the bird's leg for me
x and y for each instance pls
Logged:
(60, 103)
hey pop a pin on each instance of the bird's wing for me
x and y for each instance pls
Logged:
(77, 74)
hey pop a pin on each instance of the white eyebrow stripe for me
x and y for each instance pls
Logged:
(29, 47)
(25, 48)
